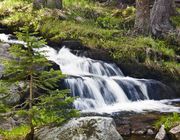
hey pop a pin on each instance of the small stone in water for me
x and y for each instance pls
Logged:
(150, 132)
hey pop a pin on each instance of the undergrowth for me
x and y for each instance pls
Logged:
(17, 133)
(168, 121)
(96, 26)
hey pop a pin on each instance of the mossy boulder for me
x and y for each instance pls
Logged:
(84, 128)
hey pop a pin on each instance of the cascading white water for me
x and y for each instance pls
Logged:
(102, 87)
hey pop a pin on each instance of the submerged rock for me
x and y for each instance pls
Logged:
(84, 128)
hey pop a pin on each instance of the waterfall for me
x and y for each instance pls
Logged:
(102, 87)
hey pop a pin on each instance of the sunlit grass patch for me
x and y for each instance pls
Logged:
(169, 121)
(17, 133)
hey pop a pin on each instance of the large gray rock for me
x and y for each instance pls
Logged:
(175, 133)
(84, 128)
(3, 55)
(14, 96)
(161, 135)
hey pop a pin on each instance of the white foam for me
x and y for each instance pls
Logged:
(138, 106)
(5, 38)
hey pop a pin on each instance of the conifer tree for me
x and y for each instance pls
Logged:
(3, 95)
(30, 65)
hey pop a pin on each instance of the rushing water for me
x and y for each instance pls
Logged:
(101, 87)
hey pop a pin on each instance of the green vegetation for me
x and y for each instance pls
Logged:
(3, 94)
(176, 19)
(97, 26)
(17, 133)
(169, 121)
(46, 104)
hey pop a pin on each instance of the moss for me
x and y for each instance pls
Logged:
(102, 27)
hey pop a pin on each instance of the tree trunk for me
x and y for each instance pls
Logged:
(160, 17)
(31, 134)
(142, 22)
(53, 4)
(38, 4)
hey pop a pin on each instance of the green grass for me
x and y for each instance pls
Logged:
(168, 121)
(10, 6)
(17, 133)
(176, 19)
(79, 3)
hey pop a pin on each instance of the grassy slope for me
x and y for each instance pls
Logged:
(96, 26)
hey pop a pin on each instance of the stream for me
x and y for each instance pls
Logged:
(102, 87)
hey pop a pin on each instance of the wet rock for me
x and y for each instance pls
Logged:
(123, 126)
(97, 54)
(161, 135)
(150, 132)
(175, 133)
(130, 124)
(124, 130)
(138, 70)
(139, 132)
(85, 128)
(12, 37)
(73, 45)
(157, 90)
